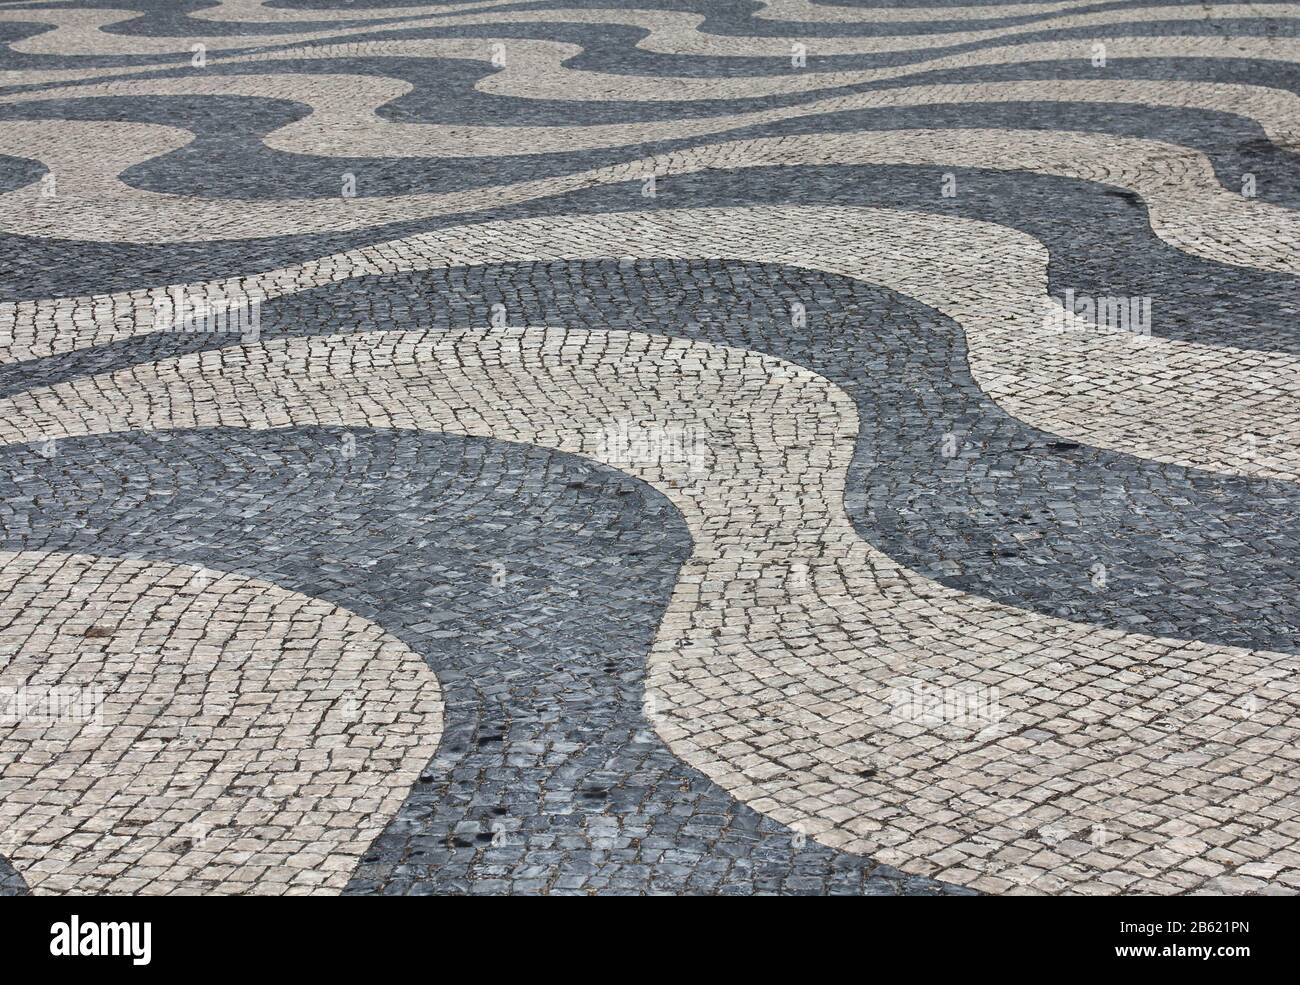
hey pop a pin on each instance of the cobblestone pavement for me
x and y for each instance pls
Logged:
(714, 447)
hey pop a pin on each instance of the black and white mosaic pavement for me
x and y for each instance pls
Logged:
(725, 437)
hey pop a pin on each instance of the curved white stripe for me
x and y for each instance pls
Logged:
(813, 13)
(265, 12)
(536, 79)
(248, 739)
(260, 12)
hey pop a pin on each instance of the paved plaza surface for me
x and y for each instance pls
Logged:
(678, 447)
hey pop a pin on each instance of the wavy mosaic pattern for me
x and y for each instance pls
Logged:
(710, 447)
(542, 662)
